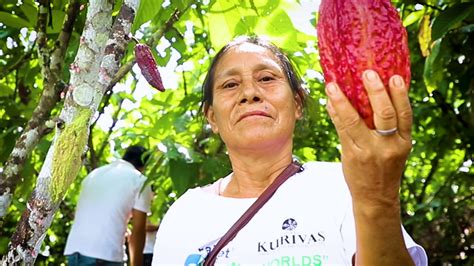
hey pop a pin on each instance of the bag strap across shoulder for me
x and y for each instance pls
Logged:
(290, 170)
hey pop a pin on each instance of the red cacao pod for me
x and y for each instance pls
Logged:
(148, 66)
(356, 35)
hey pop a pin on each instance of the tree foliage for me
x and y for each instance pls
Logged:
(437, 188)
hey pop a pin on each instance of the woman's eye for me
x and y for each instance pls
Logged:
(230, 85)
(267, 78)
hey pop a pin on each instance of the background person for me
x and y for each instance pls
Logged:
(149, 242)
(109, 196)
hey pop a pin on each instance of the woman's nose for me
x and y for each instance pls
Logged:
(250, 93)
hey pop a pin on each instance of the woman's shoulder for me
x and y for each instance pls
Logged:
(184, 206)
(326, 175)
(325, 166)
(191, 195)
(323, 171)
(207, 195)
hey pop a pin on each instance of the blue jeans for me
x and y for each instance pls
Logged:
(147, 259)
(76, 259)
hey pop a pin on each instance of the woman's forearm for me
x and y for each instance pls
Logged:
(379, 236)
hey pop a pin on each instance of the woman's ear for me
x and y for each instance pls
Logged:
(211, 119)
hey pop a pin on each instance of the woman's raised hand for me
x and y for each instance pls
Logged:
(373, 160)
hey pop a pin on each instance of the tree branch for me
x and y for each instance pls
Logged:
(185, 85)
(22, 60)
(471, 98)
(53, 85)
(151, 42)
(92, 162)
(42, 40)
(61, 44)
(111, 129)
(434, 168)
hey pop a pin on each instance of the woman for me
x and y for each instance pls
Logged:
(328, 214)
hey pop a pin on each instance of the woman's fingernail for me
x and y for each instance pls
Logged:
(370, 75)
(397, 81)
(331, 89)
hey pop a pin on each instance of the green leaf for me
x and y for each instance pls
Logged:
(265, 7)
(224, 16)
(30, 11)
(450, 18)
(58, 19)
(117, 6)
(146, 11)
(182, 4)
(280, 26)
(217, 167)
(5, 90)
(32, 72)
(429, 72)
(413, 17)
(4, 240)
(13, 20)
(7, 32)
(424, 35)
(246, 25)
(182, 173)
(279, 23)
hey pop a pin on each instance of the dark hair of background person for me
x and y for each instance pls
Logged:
(136, 155)
(292, 76)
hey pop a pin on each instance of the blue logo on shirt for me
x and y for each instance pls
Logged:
(193, 260)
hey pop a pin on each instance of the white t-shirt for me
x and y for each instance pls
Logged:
(108, 195)
(149, 242)
(308, 221)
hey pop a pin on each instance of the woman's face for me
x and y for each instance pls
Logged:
(253, 105)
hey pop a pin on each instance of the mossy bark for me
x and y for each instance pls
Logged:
(67, 154)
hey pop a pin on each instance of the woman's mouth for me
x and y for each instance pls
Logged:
(253, 113)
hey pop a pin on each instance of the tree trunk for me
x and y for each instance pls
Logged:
(97, 61)
(51, 68)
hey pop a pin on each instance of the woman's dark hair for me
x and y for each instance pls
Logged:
(136, 155)
(285, 63)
